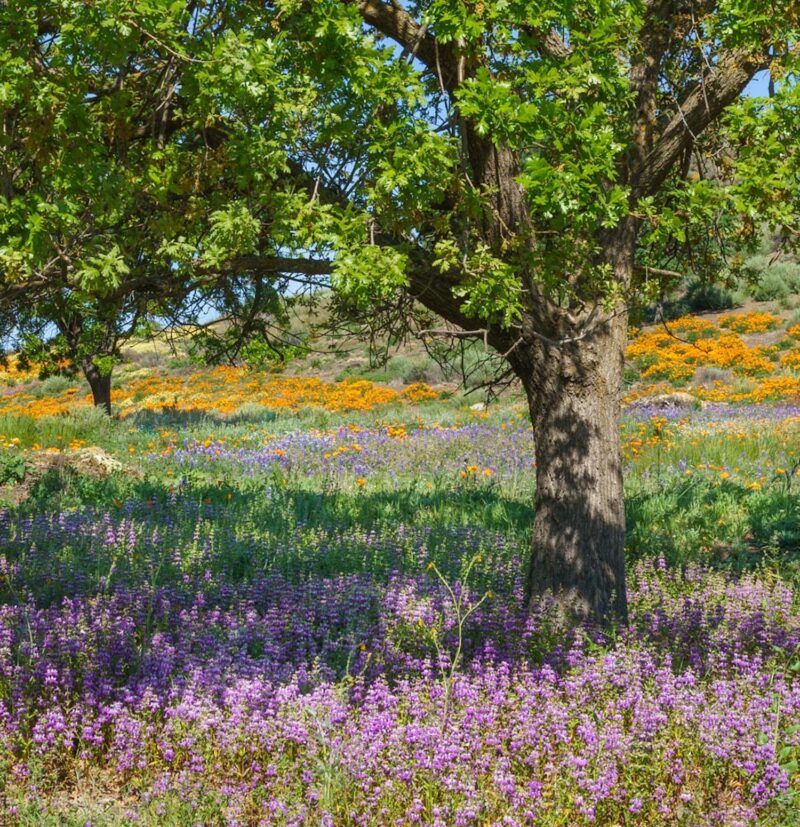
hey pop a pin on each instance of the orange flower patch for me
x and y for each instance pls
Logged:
(791, 360)
(672, 353)
(419, 392)
(660, 355)
(754, 322)
(223, 390)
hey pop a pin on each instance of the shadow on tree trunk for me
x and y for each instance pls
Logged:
(100, 385)
(579, 527)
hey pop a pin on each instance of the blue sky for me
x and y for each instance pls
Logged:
(758, 85)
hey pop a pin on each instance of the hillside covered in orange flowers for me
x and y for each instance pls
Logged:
(738, 357)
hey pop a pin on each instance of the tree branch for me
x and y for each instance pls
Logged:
(549, 42)
(276, 264)
(717, 90)
(659, 19)
(394, 22)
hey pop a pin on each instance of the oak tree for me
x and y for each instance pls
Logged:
(547, 166)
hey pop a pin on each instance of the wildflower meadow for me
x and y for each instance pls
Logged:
(399, 413)
(300, 603)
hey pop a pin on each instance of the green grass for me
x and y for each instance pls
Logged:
(727, 496)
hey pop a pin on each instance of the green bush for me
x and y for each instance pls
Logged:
(703, 296)
(773, 281)
(259, 355)
(12, 468)
(397, 368)
(425, 370)
(53, 386)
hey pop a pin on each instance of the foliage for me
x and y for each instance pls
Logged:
(13, 467)
(258, 354)
(169, 162)
(120, 199)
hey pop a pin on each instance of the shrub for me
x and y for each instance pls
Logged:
(258, 355)
(12, 467)
(53, 386)
(703, 296)
(709, 375)
(398, 367)
(776, 280)
(428, 372)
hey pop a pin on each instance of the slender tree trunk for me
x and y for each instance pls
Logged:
(99, 383)
(579, 528)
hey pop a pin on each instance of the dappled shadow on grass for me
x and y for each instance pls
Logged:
(281, 567)
(63, 488)
(267, 524)
(486, 505)
(75, 534)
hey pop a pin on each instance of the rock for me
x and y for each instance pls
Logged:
(94, 462)
(478, 406)
(678, 399)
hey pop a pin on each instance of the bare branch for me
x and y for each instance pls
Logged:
(480, 333)
(660, 271)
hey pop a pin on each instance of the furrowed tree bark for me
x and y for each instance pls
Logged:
(100, 385)
(579, 526)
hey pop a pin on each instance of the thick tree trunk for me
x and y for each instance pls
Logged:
(579, 528)
(100, 385)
